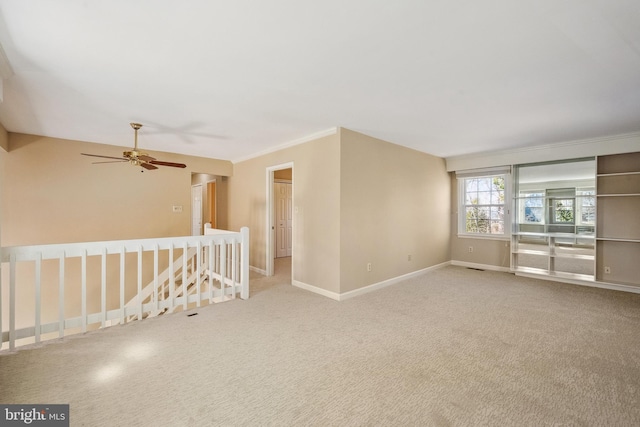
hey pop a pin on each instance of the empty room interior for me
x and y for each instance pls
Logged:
(321, 213)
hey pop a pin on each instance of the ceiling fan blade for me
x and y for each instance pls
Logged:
(110, 161)
(175, 165)
(104, 157)
(148, 166)
(145, 158)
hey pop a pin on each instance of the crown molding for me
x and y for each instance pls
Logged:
(613, 144)
(313, 136)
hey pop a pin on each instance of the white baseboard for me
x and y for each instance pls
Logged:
(370, 288)
(389, 282)
(258, 270)
(316, 290)
(481, 266)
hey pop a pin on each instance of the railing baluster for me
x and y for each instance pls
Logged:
(155, 277)
(61, 295)
(217, 260)
(122, 275)
(139, 282)
(244, 262)
(234, 249)
(223, 267)
(172, 279)
(198, 271)
(212, 249)
(103, 287)
(12, 302)
(38, 292)
(184, 276)
(83, 294)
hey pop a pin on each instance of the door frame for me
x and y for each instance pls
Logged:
(270, 220)
(192, 211)
(206, 188)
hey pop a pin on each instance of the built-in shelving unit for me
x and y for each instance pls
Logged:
(618, 224)
(545, 240)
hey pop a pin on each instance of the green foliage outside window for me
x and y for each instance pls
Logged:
(484, 205)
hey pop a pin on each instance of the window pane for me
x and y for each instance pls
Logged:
(564, 210)
(497, 227)
(477, 220)
(588, 214)
(532, 214)
(484, 200)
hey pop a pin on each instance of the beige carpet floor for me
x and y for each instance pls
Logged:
(453, 347)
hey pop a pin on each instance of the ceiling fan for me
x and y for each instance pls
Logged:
(136, 157)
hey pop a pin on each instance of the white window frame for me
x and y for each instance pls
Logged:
(462, 176)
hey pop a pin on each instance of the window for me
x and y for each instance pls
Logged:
(483, 209)
(586, 206)
(532, 206)
(562, 205)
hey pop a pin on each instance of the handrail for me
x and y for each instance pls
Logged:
(211, 257)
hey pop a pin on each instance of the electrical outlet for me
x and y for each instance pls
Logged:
(369, 266)
(607, 270)
(177, 209)
(470, 248)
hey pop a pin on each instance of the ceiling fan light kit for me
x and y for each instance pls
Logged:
(137, 157)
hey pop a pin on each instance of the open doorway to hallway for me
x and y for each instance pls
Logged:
(208, 202)
(280, 224)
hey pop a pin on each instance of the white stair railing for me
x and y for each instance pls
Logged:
(158, 287)
(215, 268)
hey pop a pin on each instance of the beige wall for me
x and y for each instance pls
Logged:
(485, 251)
(316, 228)
(394, 203)
(52, 194)
(357, 200)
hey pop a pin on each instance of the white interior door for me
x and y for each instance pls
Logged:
(196, 210)
(283, 193)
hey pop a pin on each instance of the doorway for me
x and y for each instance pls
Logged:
(280, 213)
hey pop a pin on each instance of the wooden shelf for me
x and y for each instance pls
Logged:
(616, 239)
(618, 174)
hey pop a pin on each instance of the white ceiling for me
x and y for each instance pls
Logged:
(229, 79)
